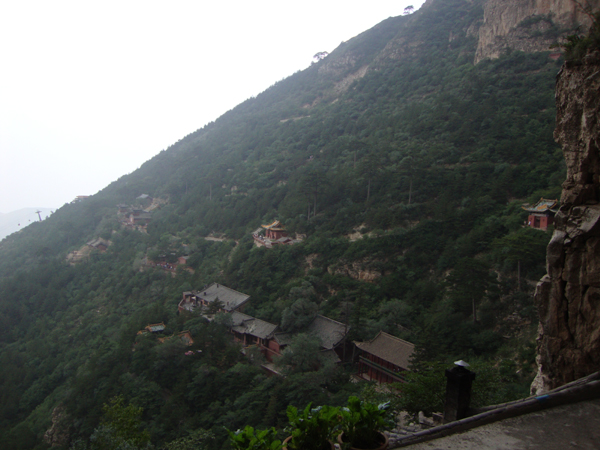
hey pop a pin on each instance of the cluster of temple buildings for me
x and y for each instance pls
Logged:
(137, 216)
(383, 359)
(133, 216)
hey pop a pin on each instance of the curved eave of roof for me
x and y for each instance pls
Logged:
(390, 348)
(543, 205)
(540, 210)
(275, 226)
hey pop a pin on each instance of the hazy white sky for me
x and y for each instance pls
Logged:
(91, 90)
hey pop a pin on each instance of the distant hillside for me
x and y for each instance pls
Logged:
(16, 220)
(402, 164)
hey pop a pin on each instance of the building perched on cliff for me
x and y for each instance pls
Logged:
(98, 244)
(541, 215)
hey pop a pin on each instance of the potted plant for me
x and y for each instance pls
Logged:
(312, 428)
(250, 439)
(361, 425)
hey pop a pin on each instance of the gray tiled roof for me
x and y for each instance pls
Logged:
(389, 348)
(243, 323)
(231, 298)
(260, 328)
(96, 242)
(238, 318)
(331, 332)
(156, 327)
(283, 338)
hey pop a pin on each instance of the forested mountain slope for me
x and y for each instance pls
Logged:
(396, 137)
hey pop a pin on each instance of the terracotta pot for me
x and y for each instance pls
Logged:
(287, 439)
(383, 446)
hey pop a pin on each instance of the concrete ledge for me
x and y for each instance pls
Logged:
(586, 388)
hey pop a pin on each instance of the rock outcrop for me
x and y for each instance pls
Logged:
(568, 297)
(363, 270)
(59, 434)
(526, 25)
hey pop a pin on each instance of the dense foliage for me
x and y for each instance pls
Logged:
(406, 178)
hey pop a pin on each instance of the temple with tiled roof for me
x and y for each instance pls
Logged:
(275, 234)
(331, 334)
(541, 215)
(384, 358)
(230, 299)
(250, 331)
(274, 230)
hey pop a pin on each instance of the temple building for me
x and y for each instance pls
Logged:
(250, 331)
(139, 217)
(331, 333)
(541, 215)
(274, 234)
(384, 358)
(275, 230)
(153, 328)
(98, 244)
(229, 299)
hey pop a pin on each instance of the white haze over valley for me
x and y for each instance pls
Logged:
(91, 90)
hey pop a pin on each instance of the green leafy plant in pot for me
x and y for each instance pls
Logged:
(312, 428)
(361, 425)
(251, 439)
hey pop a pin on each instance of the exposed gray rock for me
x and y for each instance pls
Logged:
(568, 297)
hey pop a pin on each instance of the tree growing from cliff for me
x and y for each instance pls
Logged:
(577, 46)
(320, 56)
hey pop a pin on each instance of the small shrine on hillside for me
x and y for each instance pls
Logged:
(275, 230)
(541, 215)
(98, 244)
(274, 234)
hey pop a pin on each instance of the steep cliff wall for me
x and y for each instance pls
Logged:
(526, 25)
(568, 297)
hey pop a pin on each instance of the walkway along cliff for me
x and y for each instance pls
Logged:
(568, 297)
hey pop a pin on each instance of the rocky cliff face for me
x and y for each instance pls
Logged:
(58, 435)
(568, 297)
(526, 25)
